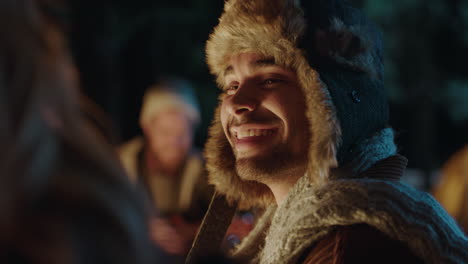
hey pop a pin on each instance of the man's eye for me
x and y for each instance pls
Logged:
(231, 89)
(271, 81)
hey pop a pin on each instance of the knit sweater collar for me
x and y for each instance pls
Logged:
(398, 210)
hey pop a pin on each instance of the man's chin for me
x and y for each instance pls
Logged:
(253, 154)
(273, 166)
(256, 168)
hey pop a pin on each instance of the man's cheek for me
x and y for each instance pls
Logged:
(224, 125)
(229, 139)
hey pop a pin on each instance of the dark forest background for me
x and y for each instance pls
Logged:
(122, 47)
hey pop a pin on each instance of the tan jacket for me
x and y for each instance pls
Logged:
(170, 195)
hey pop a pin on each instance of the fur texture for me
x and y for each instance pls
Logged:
(274, 29)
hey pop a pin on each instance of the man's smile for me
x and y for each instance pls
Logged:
(252, 137)
(253, 133)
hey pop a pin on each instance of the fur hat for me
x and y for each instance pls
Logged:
(169, 94)
(337, 56)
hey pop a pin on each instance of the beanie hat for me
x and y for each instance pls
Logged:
(170, 94)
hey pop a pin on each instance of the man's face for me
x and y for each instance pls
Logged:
(263, 117)
(170, 137)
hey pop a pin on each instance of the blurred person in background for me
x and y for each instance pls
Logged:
(452, 189)
(64, 197)
(164, 162)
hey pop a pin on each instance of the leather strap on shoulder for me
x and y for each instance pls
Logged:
(212, 230)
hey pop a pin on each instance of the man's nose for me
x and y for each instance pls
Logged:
(243, 101)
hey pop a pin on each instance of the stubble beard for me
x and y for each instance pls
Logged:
(277, 165)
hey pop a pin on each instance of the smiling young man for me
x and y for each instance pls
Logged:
(302, 130)
(263, 117)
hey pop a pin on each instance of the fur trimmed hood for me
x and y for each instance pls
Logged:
(337, 56)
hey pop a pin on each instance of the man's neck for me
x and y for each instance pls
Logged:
(280, 189)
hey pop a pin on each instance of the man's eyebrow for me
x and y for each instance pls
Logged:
(257, 64)
(264, 62)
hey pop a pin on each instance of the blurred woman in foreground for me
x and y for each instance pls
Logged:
(64, 197)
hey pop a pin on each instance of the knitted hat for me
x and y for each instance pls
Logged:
(169, 94)
(337, 56)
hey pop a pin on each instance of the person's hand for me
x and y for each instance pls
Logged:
(187, 229)
(166, 236)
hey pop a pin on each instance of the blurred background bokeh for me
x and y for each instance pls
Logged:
(122, 47)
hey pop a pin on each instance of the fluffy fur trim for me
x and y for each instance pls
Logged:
(273, 29)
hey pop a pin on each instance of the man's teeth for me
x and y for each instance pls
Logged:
(254, 133)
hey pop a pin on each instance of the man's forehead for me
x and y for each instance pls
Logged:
(251, 59)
